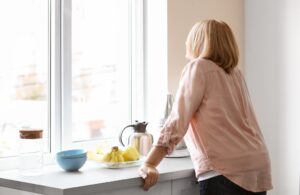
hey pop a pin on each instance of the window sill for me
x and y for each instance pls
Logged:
(10, 163)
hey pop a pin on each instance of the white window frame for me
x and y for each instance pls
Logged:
(66, 73)
(137, 73)
(56, 76)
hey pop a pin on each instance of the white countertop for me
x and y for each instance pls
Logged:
(91, 178)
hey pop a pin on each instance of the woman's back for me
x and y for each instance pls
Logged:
(224, 127)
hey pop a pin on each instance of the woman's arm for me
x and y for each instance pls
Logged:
(156, 155)
(148, 171)
(188, 99)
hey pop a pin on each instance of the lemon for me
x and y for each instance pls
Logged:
(91, 155)
(131, 154)
(113, 156)
(99, 151)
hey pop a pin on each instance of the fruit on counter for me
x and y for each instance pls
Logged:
(95, 155)
(91, 155)
(131, 154)
(99, 151)
(115, 155)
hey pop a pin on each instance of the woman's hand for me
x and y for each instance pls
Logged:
(150, 175)
(148, 171)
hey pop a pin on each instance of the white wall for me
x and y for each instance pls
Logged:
(183, 14)
(272, 71)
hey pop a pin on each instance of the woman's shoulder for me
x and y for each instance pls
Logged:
(203, 65)
(206, 66)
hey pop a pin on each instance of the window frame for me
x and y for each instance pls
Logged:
(56, 75)
(66, 73)
(136, 72)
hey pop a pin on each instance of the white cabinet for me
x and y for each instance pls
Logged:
(185, 186)
(159, 189)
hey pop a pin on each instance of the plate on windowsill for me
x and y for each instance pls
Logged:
(120, 165)
(179, 154)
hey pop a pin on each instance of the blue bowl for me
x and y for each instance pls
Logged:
(75, 153)
(71, 160)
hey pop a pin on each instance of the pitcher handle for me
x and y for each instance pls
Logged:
(121, 134)
(152, 139)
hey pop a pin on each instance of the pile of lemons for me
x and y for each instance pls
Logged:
(115, 155)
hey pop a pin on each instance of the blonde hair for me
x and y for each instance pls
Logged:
(213, 40)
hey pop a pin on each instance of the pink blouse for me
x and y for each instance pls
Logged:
(213, 112)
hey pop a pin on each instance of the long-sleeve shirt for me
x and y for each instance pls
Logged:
(213, 112)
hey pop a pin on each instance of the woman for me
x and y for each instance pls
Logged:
(213, 112)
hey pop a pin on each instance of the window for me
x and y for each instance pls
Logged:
(24, 65)
(71, 71)
(100, 68)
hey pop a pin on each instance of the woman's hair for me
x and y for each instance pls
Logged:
(213, 40)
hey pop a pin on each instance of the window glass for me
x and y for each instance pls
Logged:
(100, 68)
(23, 70)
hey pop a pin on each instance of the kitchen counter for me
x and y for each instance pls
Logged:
(93, 178)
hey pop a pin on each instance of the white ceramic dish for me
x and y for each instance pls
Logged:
(119, 165)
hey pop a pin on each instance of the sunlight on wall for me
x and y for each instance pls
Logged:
(292, 96)
(272, 72)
